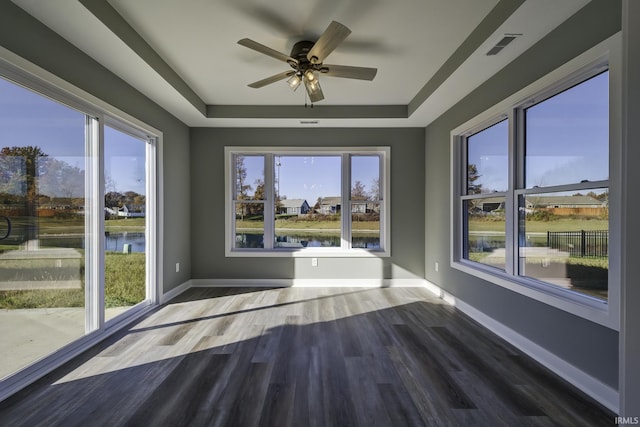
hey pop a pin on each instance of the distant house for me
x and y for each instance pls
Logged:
(330, 205)
(125, 212)
(293, 207)
(490, 204)
(551, 203)
(359, 206)
(555, 202)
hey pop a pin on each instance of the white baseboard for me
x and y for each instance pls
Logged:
(596, 389)
(175, 291)
(301, 283)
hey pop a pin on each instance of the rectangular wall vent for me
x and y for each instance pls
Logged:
(508, 38)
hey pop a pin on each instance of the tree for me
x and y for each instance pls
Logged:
(113, 199)
(374, 193)
(242, 188)
(25, 164)
(603, 197)
(358, 192)
(60, 179)
(472, 177)
(257, 208)
(140, 201)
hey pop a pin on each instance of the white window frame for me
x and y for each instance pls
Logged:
(606, 55)
(345, 249)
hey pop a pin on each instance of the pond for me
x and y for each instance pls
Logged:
(306, 240)
(112, 241)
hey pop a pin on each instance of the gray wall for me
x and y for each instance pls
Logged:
(207, 212)
(26, 37)
(589, 347)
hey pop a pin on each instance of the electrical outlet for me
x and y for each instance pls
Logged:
(177, 267)
(314, 262)
(436, 266)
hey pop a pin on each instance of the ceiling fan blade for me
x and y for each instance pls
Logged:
(328, 41)
(272, 79)
(267, 51)
(360, 73)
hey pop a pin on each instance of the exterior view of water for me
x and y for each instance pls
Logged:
(256, 240)
(113, 242)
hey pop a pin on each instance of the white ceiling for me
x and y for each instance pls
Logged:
(188, 56)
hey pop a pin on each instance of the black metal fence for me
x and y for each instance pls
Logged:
(585, 244)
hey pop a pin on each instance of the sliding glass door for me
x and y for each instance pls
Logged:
(74, 209)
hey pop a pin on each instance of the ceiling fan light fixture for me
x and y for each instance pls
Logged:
(294, 82)
(313, 89)
(309, 75)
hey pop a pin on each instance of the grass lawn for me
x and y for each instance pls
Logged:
(126, 224)
(75, 225)
(124, 286)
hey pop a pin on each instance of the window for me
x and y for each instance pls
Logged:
(563, 222)
(532, 192)
(291, 202)
(484, 199)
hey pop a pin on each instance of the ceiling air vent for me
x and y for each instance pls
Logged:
(508, 38)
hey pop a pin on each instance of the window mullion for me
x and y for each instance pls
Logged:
(382, 200)
(511, 211)
(94, 224)
(346, 201)
(517, 167)
(269, 201)
(151, 224)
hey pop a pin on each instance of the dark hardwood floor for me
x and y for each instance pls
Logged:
(303, 357)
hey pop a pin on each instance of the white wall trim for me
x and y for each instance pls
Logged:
(172, 293)
(301, 283)
(591, 386)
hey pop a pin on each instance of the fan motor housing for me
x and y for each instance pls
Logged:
(299, 51)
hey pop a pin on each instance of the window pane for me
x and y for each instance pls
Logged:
(485, 231)
(488, 159)
(365, 206)
(567, 136)
(249, 177)
(308, 201)
(42, 231)
(365, 225)
(564, 240)
(249, 225)
(126, 205)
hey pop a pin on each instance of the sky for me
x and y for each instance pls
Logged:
(30, 119)
(567, 140)
(125, 161)
(311, 177)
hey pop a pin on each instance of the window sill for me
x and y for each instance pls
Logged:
(306, 253)
(592, 309)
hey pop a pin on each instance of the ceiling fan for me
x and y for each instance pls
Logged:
(307, 60)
